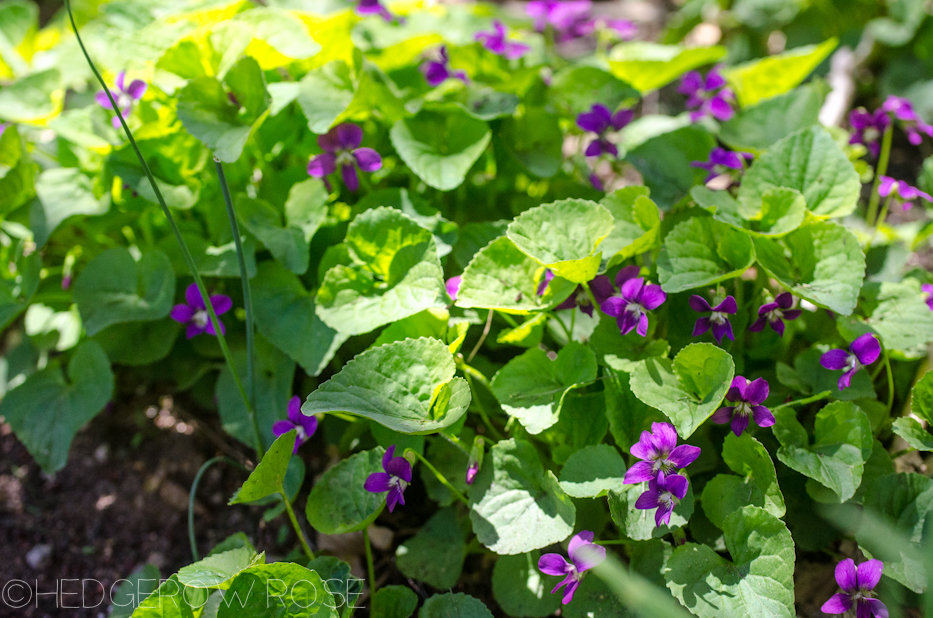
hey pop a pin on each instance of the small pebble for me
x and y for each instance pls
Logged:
(39, 556)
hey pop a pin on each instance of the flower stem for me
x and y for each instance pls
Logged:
(881, 217)
(887, 362)
(589, 292)
(247, 305)
(612, 542)
(192, 539)
(472, 374)
(370, 566)
(440, 477)
(298, 532)
(880, 171)
(800, 402)
(186, 253)
(483, 336)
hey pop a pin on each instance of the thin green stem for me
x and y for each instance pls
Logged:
(298, 532)
(887, 363)
(589, 293)
(563, 327)
(509, 319)
(192, 539)
(483, 336)
(247, 305)
(472, 374)
(370, 565)
(612, 542)
(881, 217)
(880, 171)
(573, 322)
(440, 477)
(801, 402)
(186, 253)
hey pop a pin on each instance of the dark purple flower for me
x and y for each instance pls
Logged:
(194, 313)
(775, 312)
(718, 320)
(373, 7)
(863, 352)
(584, 555)
(857, 585)
(868, 127)
(306, 425)
(579, 298)
(663, 493)
(902, 191)
(436, 72)
(597, 182)
(341, 149)
(912, 123)
(659, 452)
(707, 97)
(498, 43)
(635, 299)
(475, 461)
(747, 397)
(125, 96)
(570, 19)
(928, 291)
(394, 480)
(453, 286)
(722, 161)
(600, 120)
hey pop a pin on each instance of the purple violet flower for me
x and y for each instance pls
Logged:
(436, 72)
(394, 480)
(584, 555)
(453, 287)
(194, 313)
(599, 120)
(659, 452)
(775, 312)
(928, 291)
(373, 7)
(623, 28)
(306, 425)
(863, 352)
(125, 96)
(341, 148)
(498, 43)
(747, 397)
(868, 127)
(709, 97)
(569, 18)
(635, 299)
(901, 190)
(857, 585)
(663, 493)
(912, 123)
(721, 161)
(579, 298)
(718, 320)
(597, 182)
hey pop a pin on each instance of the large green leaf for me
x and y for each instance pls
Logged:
(757, 127)
(293, 590)
(774, 75)
(172, 600)
(821, 262)
(287, 244)
(536, 141)
(325, 93)
(913, 433)
(218, 569)
(901, 317)
(48, 409)
(757, 583)
(638, 524)
(395, 273)
(63, 192)
(114, 288)
(842, 444)
(564, 236)
(701, 251)
(664, 160)
(689, 388)
(532, 387)
(450, 604)
(502, 277)
(408, 386)
(520, 589)
(905, 503)
(32, 98)
(338, 502)
(517, 506)
(811, 162)
(748, 458)
(268, 478)
(649, 66)
(435, 554)
(781, 211)
(440, 146)
(592, 471)
(285, 315)
(637, 222)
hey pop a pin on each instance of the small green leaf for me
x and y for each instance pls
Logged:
(649, 66)
(628, 416)
(394, 602)
(338, 502)
(564, 236)
(664, 161)
(293, 590)
(689, 388)
(217, 570)
(757, 583)
(592, 471)
(269, 476)
(811, 162)
(459, 605)
(700, 251)
(63, 192)
(821, 262)
(842, 445)
(901, 318)
(914, 433)
(33, 97)
(532, 387)
(726, 493)
(172, 600)
(47, 410)
(774, 75)
(639, 524)
(16, 294)
(519, 588)
(286, 244)
(921, 397)
(748, 458)
(408, 386)
(516, 506)
(636, 227)
(440, 146)
(781, 212)
(435, 554)
(325, 93)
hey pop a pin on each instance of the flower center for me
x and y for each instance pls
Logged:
(633, 307)
(717, 317)
(851, 362)
(743, 408)
(302, 434)
(668, 499)
(345, 157)
(871, 134)
(200, 318)
(775, 315)
(124, 100)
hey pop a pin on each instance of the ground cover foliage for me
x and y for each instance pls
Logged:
(628, 325)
